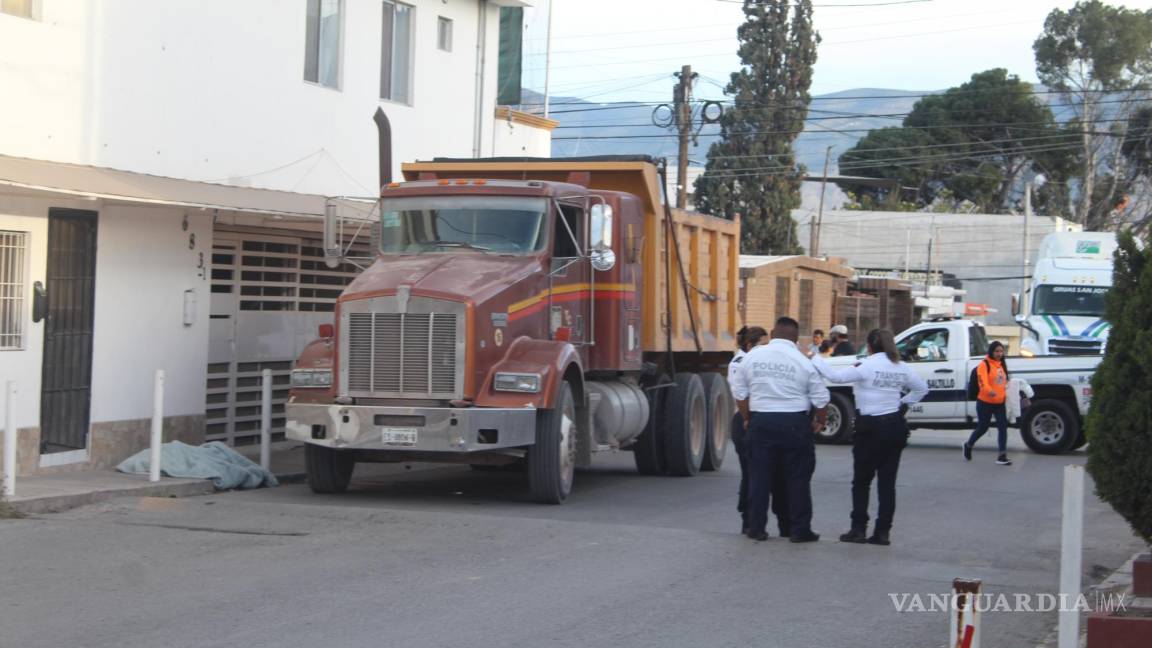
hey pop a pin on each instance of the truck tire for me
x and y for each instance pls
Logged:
(648, 450)
(841, 421)
(1050, 427)
(1081, 441)
(720, 410)
(329, 470)
(685, 425)
(552, 460)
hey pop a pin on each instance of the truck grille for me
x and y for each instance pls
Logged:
(1074, 347)
(403, 354)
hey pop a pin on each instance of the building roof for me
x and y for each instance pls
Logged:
(117, 186)
(749, 263)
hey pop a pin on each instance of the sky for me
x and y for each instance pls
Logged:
(627, 50)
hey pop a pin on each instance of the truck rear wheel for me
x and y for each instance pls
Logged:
(648, 450)
(552, 460)
(685, 425)
(720, 409)
(841, 421)
(329, 470)
(1050, 427)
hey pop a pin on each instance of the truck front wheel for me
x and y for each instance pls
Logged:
(1050, 427)
(552, 460)
(329, 470)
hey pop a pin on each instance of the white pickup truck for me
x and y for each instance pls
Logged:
(944, 352)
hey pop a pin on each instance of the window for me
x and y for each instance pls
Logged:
(977, 342)
(322, 42)
(444, 34)
(783, 296)
(930, 345)
(396, 53)
(12, 246)
(1083, 301)
(22, 8)
(452, 225)
(568, 225)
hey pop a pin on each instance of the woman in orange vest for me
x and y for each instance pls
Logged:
(992, 377)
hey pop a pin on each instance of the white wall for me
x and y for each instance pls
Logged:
(144, 263)
(26, 215)
(213, 90)
(514, 139)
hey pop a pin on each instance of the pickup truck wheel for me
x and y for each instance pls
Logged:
(329, 470)
(1050, 427)
(841, 421)
(552, 460)
(648, 450)
(720, 409)
(685, 425)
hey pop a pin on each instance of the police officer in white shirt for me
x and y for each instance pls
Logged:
(884, 387)
(776, 389)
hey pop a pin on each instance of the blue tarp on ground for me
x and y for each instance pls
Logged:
(213, 460)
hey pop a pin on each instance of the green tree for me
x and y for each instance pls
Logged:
(751, 169)
(1119, 427)
(1098, 57)
(974, 143)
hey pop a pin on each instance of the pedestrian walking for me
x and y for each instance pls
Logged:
(883, 388)
(842, 346)
(746, 338)
(784, 403)
(992, 392)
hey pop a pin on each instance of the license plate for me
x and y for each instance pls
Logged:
(398, 436)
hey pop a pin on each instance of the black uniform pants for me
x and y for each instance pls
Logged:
(876, 448)
(779, 486)
(781, 449)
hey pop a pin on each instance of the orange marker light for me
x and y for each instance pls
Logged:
(393, 185)
(443, 182)
(461, 182)
(481, 182)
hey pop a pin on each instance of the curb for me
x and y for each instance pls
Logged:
(59, 503)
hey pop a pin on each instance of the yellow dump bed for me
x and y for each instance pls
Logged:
(703, 305)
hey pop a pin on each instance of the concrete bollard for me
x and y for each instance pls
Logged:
(1071, 547)
(157, 439)
(9, 440)
(266, 419)
(964, 621)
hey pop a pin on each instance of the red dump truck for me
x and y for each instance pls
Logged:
(533, 311)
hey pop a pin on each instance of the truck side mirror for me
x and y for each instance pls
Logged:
(600, 219)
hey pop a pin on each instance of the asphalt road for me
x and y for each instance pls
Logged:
(450, 557)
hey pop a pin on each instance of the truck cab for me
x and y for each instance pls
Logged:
(1062, 313)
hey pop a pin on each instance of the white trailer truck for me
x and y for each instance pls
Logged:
(1063, 312)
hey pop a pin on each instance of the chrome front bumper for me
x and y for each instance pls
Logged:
(437, 429)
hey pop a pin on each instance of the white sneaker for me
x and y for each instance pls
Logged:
(1003, 460)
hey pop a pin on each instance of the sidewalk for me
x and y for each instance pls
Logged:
(60, 492)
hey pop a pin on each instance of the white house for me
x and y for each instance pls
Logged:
(162, 169)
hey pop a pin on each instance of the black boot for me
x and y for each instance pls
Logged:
(858, 535)
(879, 538)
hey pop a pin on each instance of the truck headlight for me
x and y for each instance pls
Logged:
(312, 378)
(517, 382)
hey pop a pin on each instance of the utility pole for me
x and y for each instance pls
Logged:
(682, 101)
(1023, 302)
(548, 57)
(814, 234)
(907, 252)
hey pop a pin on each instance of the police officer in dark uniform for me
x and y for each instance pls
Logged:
(777, 390)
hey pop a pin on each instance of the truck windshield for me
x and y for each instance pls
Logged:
(448, 224)
(1087, 301)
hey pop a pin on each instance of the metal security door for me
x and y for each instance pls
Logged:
(66, 390)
